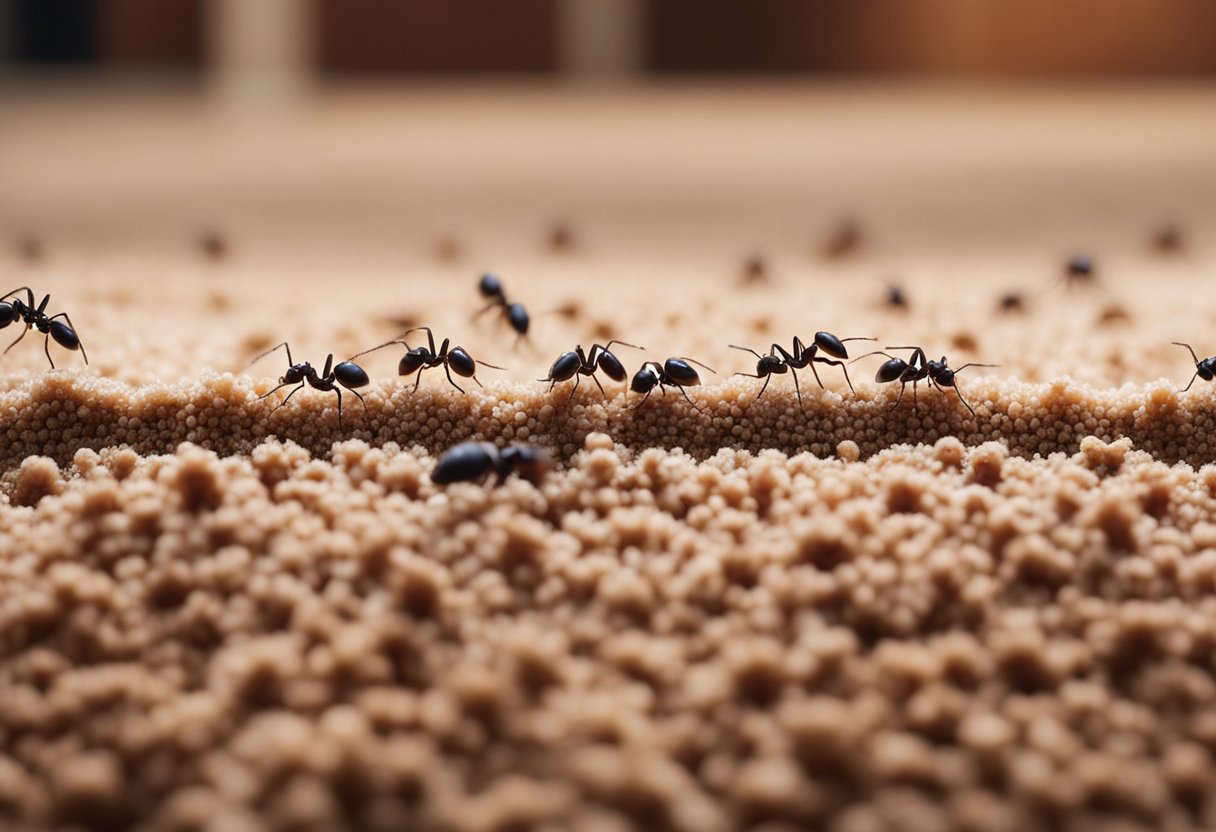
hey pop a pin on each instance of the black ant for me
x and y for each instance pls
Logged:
(490, 286)
(674, 372)
(897, 298)
(919, 369)
(35, 316)
(420, 358)
(778, 360)
(1205, 369)
(571, 365)
(475, 461)
(1080, 269)
(346, 373)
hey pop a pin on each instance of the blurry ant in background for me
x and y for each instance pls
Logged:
(12, 311)
(346, 373)
(1080, 271)
(1205, 369)
(778, 360)
(418, 359)
(490, 286)
(919, 369)
(674, 372)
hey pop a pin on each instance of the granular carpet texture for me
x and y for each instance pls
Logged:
(714, 614)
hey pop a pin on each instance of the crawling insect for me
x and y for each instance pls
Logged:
(24, 311)
(778, 360)
(345, 374)
(418, 359)
(490, 286)
(674, 372)
(1080, 269)
(476, 461)
(1205, 369)
(571, 365)
(919, 369)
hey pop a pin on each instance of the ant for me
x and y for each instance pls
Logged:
(423, 358)
(490, 286)
(35, 316)
(778, 360)
(674, 372)
(345, 373)
(475, 461)
(1080, 269)
(1205, 369)
(571, 365)
(919, 369)
(897, 298)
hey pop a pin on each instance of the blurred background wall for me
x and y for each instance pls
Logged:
(1072, 38)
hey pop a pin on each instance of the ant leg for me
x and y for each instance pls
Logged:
(603, 392)
(417, 380)
(359, 396)
(763, 387)
(1188, 387)
(797, 389)
(448, 370)
(275, 390)
(46, 347)
(811, 364)
(289, 395)
(19, 337)
(842, 367)
(643, 401)
(902, 387)
(684, 393)
(80, 343)
(964, 401)
(573, 390)
(339, 392)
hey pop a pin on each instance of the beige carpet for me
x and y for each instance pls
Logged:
(712, 615)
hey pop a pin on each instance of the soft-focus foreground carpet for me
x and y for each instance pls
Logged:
(711, 615)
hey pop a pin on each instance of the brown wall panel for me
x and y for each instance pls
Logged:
(151, 32)
(999, 37)
(440, 36)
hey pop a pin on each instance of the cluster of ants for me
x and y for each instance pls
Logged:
(478, 460)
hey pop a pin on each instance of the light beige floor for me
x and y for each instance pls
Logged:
(1005, 625)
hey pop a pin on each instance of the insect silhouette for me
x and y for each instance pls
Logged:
(571, 365)
(778, 360)
(417, 359)
(475, 461)
(490, 286)
(674, 372)
(1205, 369)
(919, 368)
(24, 311)
(331, 379)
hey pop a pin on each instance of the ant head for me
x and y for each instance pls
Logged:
(527, 461)
(64, 335)
(566, 365)
(611, 366)
(490, 286)
(413, 361)
(646, 378)
(769, 364)
(296, 373)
